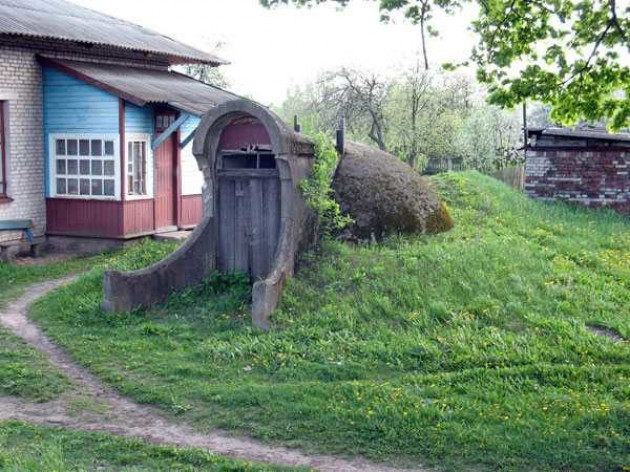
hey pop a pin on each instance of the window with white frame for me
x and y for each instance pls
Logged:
(85, 166)
(139, 166)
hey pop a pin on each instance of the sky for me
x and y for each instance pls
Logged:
(272, 51)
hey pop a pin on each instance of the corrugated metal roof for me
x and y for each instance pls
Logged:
(599, 133)
(147, 86)
(59, 19)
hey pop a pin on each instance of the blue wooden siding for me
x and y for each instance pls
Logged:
(138, 120)
(74, 107)
(190, 126)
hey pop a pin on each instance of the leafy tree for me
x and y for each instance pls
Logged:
(571, 54)
(423, 115)
(359, 97)
(575, 56)
(207, 74)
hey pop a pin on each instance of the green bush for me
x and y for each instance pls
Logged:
(317, 189)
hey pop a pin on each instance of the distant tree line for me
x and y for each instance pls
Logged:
(416, 115)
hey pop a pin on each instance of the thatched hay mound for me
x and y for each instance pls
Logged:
(384, 195)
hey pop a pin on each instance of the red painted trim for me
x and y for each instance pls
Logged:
(44, 61)
(97, 218)
(191, 211)
(3, 152)
(178, 178)
(123, 147)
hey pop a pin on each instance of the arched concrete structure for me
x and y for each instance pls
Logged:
(197, 258)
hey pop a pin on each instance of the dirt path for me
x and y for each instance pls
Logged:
(95, 407)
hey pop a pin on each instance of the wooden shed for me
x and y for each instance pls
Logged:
(255, 219)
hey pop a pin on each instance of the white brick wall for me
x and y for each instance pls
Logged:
(21, 85)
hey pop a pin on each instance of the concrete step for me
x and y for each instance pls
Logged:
(172, 236)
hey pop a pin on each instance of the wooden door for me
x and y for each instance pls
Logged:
(248, 218)
(165, 185)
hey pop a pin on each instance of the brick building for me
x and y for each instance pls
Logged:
(585, 166)
(95, 127)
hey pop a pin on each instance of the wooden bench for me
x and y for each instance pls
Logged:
(17, 225)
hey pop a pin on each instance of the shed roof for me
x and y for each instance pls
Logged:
(147, 86)
(62, 20)
(588, 133)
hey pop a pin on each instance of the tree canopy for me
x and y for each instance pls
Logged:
(416, 114)
(571, 54)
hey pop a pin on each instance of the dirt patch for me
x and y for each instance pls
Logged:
(607, 332)
(46, 259)
(92, 406)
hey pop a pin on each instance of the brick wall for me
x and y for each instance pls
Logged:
(21, 85)
(594, 178)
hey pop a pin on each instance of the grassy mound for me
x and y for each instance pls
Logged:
(467, 350)
(385, 196)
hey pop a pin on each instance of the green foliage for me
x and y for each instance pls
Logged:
(468, 350)
(571, 54)
(424, 115)
(28, 448)
(317, 189)
(24, 371)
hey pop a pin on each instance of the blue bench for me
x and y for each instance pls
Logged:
(17, 225)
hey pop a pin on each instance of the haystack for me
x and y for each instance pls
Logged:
(385, 196)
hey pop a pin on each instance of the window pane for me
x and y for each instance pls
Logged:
(61, 166)
(109, 188)
(97, 187)
(60, 147)
(97, 167)
(72, 147)
(109, 168)
(109, 148)
(84, 167)
(97, 147)
(61, 186)
(84, 147)
(73, 166)
(85, 186)
(130, 185)
(73, 186)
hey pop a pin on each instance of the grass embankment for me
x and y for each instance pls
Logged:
(25, 448)
(14, 277)
(24, 372)
(465, 350)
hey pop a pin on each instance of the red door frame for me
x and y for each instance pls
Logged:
(176, 183)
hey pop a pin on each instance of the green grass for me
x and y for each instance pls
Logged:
(24, 371)
(467, 350)
(14, 277)
(25, 448)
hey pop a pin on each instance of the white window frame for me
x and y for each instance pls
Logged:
(145, 138)
(52, 164)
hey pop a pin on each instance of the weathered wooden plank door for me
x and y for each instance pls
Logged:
(164, 198)
(248, 218)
